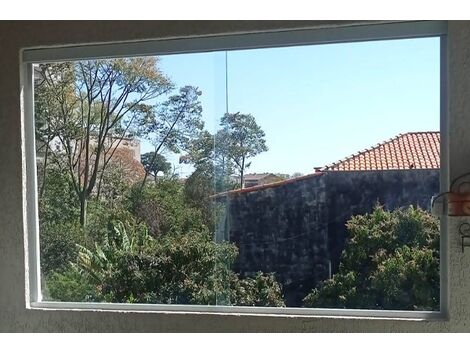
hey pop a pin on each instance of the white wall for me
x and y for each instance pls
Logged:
(13, 313)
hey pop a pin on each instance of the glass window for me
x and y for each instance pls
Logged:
(279, 177)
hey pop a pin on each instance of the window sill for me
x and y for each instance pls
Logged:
(357, 314)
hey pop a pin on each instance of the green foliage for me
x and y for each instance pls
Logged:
(131, 266)
(86, 104)
(391, 261)
(59, 229)
(113, 185)
(69, 286)
(59, 202)
(176, 122)
(198, 189)
(242, 138)
(155, 163)
(262, 290)
(58, 245)
(163, 208)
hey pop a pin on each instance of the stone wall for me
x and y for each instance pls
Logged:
(283, 230)
(297, 229)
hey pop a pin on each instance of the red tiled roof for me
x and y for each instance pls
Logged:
(413, 150)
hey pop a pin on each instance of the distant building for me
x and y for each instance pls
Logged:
(252, 180)
(127, 157)
(123, 153)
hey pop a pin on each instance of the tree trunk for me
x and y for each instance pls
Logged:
(83, 210)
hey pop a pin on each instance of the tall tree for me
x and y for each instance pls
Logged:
(96, 103)
(175, 124)
(155, 163)
(209, 155)
(241, 138)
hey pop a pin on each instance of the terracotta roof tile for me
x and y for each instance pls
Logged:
(413, 150)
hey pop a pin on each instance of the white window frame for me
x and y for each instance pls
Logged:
(341, 34)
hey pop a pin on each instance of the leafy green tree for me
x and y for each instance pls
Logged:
(69, 286)
(155, 163)
(49, 107)
(210, 175)
(174, 125)
(241, 138)
(89, 107)
(391, 261)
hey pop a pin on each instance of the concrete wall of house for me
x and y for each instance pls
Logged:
(296, 230)
(14, 290)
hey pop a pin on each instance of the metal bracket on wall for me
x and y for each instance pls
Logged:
(464, 230)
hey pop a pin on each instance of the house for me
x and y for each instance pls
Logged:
(296, 228)
(251, 180)
(413, 150)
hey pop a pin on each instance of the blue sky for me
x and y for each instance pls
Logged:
(318, 103)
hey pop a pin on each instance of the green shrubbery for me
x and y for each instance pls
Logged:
(163, 208)
(131, 266)
(152, 247)
(390, 262)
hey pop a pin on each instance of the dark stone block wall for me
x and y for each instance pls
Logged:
(297, 229)
(283, 230)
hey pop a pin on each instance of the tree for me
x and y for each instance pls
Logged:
(176, 123)
(155, 163)
(59, 227)
(95, 105)
(391, 261)
(87, 108)
(241, 138)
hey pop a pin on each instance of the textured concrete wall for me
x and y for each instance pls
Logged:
(296, 230)
(283, 230)
(14, 316)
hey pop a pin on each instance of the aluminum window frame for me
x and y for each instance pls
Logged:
(269, 39)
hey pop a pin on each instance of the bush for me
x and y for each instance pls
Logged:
(131, 266)
(164, 209)
(391, 261)
(262, 290)
(59, 229)
(58, 203)
(69, 286)
(58, 245)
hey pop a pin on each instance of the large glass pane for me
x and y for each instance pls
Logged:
(281, 177)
